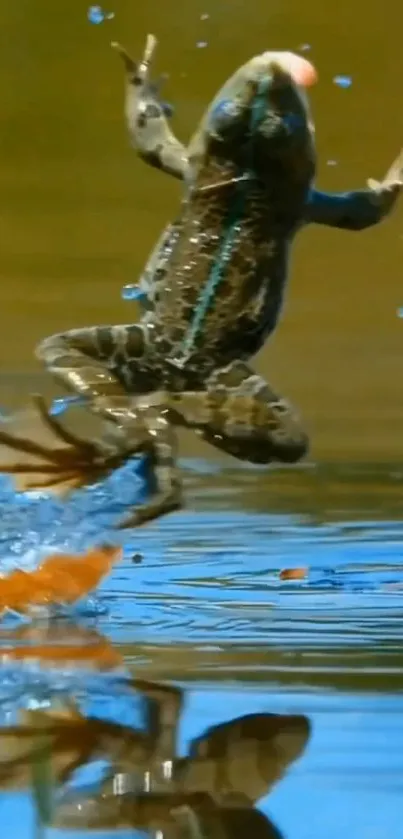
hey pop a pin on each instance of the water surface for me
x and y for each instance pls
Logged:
(206, 610)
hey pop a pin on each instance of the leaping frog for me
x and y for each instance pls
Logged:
(214, 286)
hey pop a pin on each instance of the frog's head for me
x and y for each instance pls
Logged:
(261, 120)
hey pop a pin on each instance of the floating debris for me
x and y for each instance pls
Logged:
(293, 574)
(343, 81)
(97, 15)
(201, 45)
(133, 292)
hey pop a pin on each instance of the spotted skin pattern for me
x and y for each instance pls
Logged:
(213, 285)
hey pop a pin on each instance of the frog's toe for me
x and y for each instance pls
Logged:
(128, 61)
(137, 70)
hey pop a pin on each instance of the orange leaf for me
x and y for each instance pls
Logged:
(79, 645)
(62, 578)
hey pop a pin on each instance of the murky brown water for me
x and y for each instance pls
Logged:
(79, 212)
(205, 609)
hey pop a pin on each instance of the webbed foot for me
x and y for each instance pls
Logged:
(143, 429)
(77, 463)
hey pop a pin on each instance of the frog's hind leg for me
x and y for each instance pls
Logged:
(106, 365)
(163, 475)
(240, 414)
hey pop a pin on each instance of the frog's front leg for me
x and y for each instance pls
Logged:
(146, 120)
(359, 209)
(242, 415)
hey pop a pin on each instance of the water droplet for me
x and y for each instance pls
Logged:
(97, 15)
(133, 292)
(400, 312)
(331, 163)
(204, 17)
(201, 45)
(304, 47)
(343, 81)
(59, 406)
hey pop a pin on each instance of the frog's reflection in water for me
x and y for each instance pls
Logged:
(208, 794)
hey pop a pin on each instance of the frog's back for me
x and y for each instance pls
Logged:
(226, 265)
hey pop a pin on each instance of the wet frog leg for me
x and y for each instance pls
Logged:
(97, 363)
(148, 127)
(240, 414)
(359, 209)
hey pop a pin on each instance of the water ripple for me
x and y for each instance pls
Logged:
(211, 574)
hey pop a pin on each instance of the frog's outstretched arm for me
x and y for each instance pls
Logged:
(359, 209)
(146, 120)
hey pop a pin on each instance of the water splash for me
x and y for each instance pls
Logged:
(62, 404)
(133, 292)
(97, 15)
(343, 81)
(35, 523)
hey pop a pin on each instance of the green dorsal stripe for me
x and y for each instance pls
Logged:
(235, 214)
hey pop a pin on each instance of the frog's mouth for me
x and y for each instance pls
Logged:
(301, 71)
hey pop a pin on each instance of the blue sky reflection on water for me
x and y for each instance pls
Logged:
(206, 607)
